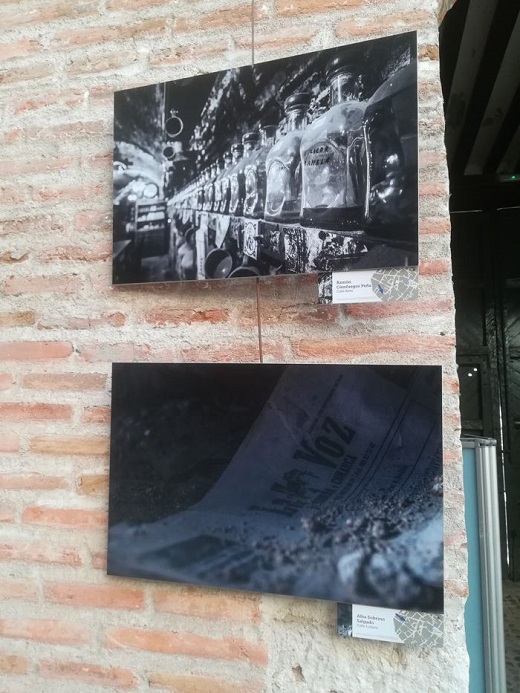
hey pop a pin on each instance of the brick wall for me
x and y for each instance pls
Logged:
(65, 626)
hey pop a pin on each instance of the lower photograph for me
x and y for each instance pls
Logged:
(321, 481)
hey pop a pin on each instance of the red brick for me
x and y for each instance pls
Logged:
(8, 137)
(34, 351)
(291, 8)
(451, 384)
(26, 74)
(432, 347)
(272, 314)
(32, 481)
(65, 97)
(19, 49)
(9, 442)
(189, 644)
(11, 194)
(13, 257)
(93, 220)
(179, 683)
(74, 322)
(35, 411)
(62, 284)
(428, 52)
(457, 587)
(452, 421)
(114, 677)
(70, 445)
(11, 588)
(382, 23)
(86, 253)
(177, 55)
(92, 484)
(177, 316)
(29, 225)
(24, 552)
(13, 664)
(96, 353)
(284, 38)
(391, 309)
(98, 596)
(115, 5)
(65, 517)
(64, 382)
(452, 458)
(428, 268)
(80, 193)
(457, 539)
(99, 560)
(18, 318)
(87, 129)
(429, 158)
(96, 414)
(434, 189)
(107, 62)
(37, 164)
(44, 630)
(6, 381)
(222, 19)
(273, 351)
(105, 34)
(236, 351)
(191, 601)
(7, 512)
(434, 225)
(49, 11)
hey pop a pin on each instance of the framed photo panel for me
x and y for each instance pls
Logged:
(306, 164)
(320, 481)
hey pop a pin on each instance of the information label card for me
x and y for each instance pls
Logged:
(369, 286)
(390, 625)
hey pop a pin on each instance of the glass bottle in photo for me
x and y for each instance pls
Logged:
(283, 164)
(334, 156)
(255, 174)
(236, 154)
(209, 189)
(217, 188)
(391, 135)
(200, 193)
(237, 178)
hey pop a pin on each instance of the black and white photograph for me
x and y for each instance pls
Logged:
(300, 165)
(317, 481)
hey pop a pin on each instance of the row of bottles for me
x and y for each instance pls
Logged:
(351, 167)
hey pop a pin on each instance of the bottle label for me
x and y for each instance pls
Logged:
(325, 176)
(234, 194)
(283, 195)
(251, 198)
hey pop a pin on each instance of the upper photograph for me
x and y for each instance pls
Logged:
(302, 165)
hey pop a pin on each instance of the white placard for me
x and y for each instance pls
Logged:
(369, 286)
(374, 623)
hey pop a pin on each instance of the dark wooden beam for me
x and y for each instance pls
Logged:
(507, 131)
(498, 37)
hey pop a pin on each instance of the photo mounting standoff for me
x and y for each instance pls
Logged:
(306, 164)
(320, 481)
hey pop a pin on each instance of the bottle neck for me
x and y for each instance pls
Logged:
(296, 119)
(268, 136)
(342, 87)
